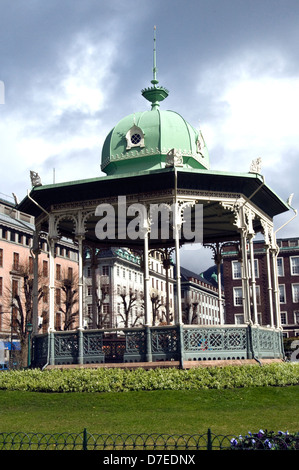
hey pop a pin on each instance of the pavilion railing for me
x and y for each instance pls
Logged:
(160, 343)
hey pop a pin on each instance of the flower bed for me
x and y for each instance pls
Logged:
(266, 440)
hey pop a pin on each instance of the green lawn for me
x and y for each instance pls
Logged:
(234, 411)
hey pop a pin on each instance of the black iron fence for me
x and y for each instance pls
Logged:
(148, 442)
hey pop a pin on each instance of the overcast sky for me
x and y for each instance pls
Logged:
(71, 69)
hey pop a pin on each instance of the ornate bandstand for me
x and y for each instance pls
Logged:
(155, 161)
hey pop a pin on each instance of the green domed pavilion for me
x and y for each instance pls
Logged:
(155, 156)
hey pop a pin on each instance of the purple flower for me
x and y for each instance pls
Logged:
(268, 443)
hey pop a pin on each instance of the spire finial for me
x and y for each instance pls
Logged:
(155, 94)
(155, 81)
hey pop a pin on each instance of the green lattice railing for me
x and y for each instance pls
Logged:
(178, 343)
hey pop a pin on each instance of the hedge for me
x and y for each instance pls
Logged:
(124, 380)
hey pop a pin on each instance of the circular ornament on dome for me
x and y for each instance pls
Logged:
(135, 139)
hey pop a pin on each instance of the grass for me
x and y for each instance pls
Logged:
(235, 411)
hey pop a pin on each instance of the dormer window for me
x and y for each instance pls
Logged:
(135, 138)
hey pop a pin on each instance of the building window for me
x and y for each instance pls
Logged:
(258, 294)
(256, 268)
(296, 317)
(282, 294)
(16, 261)
(58, 321)
(15, 287)
(30, 265)
(4, 234)
(239, 319)
(70, 274)
(238, 296)
(89, 290)
(45, 268)
(283, 318)
(45, 294)
(14, 312)
(105, 289)
(294, 265)
(1, 285)
(58, 297)
(236, 269)
(280, 270)
(105, 270)
(295, 293)
(58, 272)
(1, 258)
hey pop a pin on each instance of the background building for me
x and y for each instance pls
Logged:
(16, 274)
(113, 284)
(200, 300)
(287, 290)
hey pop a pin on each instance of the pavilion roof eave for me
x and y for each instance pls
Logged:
(251, 185)
(151, 180)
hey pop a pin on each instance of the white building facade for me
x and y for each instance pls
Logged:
(114, 289)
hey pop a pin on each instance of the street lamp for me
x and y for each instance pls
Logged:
(29, 329)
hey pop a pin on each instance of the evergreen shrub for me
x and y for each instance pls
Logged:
(124, 380)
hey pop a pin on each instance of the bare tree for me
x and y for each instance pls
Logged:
(19, 300)
(100, 290)
(190, 313)
(101, 294)
(157, 303)
(68, 306)
(129, 300)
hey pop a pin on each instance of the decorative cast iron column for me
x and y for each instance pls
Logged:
(51, 283)
(274, 252)
(51, 329)
(177, 223)
(253, 280)
(267, 236)
(79, 238)
(146, 279)
(218, 260)
(244, 265)
(35, 250)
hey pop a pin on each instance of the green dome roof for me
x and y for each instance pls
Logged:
(153, 139)
(147, 141)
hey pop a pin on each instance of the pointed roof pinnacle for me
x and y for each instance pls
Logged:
(155, 81)
(155, 94)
